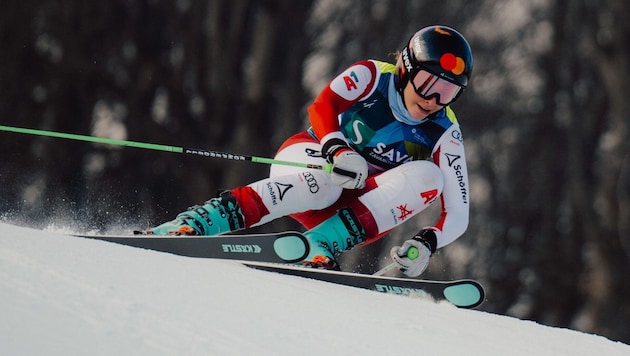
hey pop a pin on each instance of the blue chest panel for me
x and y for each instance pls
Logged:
(373, 131)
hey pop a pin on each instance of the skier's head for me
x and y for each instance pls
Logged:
(437, 61)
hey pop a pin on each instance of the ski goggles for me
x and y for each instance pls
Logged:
(428, 86)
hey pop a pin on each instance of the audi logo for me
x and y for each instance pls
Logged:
(457, 135)
(311, 181)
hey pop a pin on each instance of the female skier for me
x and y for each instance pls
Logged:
(395, 147)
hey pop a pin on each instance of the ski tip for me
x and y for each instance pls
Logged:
(291, 247)
(466, 294)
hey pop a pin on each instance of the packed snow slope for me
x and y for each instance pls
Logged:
(63, 295)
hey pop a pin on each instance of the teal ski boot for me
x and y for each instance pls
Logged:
(338, 233)
(217, 216)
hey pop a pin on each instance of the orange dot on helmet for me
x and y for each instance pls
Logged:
(459, 67)
(448, 61)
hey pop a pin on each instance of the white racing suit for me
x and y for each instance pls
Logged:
(412, 163)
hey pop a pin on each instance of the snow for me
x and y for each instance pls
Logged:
(63, 295)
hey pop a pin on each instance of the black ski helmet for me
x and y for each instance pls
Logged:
(440, 50)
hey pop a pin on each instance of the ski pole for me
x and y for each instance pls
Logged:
(151, 146)
(412, 254)
(386, 269)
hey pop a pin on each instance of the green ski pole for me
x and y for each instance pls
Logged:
(157, 147)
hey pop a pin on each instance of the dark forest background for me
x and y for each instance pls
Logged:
(546, 124)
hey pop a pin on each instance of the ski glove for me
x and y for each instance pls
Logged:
(349, 169)
(413, 256)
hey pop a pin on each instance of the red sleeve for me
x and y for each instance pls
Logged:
(344, 90)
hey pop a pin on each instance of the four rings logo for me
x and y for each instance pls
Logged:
(313, 187)
(242, 248)
(457, 135)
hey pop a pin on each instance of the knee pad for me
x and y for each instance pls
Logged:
(403, 192)
(420, 175)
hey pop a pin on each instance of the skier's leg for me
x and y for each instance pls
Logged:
(288, 190)
(388, 200)
(401, 193)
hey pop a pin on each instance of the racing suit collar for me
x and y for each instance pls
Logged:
(397, 105)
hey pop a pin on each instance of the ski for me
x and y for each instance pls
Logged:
(275, 252)
(465, 293)
(284, 247)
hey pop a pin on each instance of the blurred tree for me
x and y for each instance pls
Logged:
(602, 206)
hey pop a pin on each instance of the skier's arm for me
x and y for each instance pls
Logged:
(450, 156)
(344, 90)
(349, 169)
